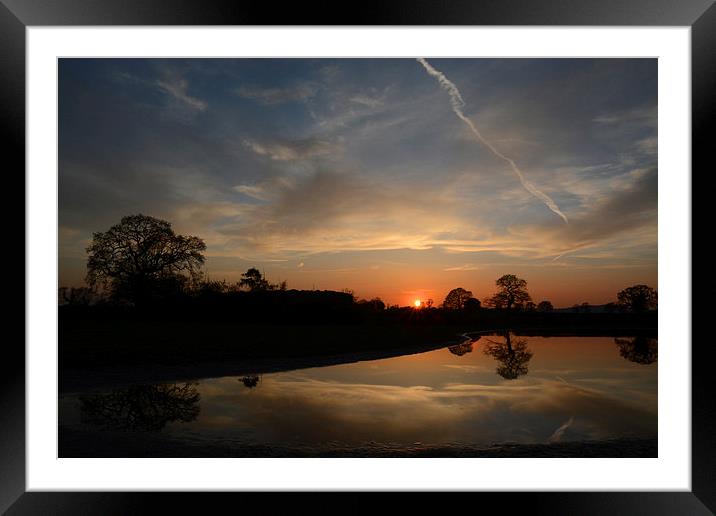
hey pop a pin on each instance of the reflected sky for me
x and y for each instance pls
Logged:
(576, 388)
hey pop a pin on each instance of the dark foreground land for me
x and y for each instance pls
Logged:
(77, 443)
(103, 347)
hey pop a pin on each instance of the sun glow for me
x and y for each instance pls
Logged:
(418, 303)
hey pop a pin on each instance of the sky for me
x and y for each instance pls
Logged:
(391, 177)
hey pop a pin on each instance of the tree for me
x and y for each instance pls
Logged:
(80, 296)
(456, 299)
(512, 291)
(612, 307)
(545, 306)
(141, 257)
(638, 298)
(253, 280)
(472, 304)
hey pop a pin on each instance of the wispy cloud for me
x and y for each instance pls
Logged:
(458, 103)
(291, 150)
(465, 267)
(274, 96)
(365, 100)
(178, 90)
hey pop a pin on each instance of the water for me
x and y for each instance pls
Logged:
(495, 389)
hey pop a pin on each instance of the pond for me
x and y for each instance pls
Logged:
(500, 388)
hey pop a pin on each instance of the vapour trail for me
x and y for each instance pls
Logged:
(557, 435)
(457, 104)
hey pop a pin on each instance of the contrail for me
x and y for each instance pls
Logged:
(457, 104)
(557, 435)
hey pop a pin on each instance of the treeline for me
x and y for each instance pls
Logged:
(141, 268)
(224, 303)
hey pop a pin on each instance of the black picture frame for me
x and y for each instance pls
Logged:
(700, 15)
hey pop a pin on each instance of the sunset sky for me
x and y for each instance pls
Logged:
(360, 173)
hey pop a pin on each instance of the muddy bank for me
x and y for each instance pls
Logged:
(77, 380)
(80, 443)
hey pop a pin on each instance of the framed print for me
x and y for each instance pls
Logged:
(416, 250)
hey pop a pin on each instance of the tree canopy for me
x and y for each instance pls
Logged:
(456, 299)
(254, 280)
(512, 291)
(545, 306)
(140, 255)
(638, 298)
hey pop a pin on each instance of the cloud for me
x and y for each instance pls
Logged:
(293, 150)
(329, 211)
(457, 104)
(465, 267)
(257, 192)
(632, 208)
(275, 96)
(365, 100)
(178, 90)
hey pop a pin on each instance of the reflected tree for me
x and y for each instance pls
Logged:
(512, 355)
(250, 381)
(464, 347)
(141, 407)
(642, 350)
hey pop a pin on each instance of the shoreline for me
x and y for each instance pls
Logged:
(83, 443)
(80, 379)
(74, 380)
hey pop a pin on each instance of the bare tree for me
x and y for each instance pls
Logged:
(140, 255)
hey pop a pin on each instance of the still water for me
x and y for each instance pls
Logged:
(490, 389)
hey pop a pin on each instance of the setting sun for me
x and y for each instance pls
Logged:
(418, 303)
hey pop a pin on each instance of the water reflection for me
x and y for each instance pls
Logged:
(512, 355)
(250, 381)
(464, 347)
(577, 388)
(141, 407)
(641, 350)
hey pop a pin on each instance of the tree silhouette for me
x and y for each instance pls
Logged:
(141, 407)
(512, 356)
(79, 296)
(250, 381)
(512, 291)
(142, 256)
(638, 298)
(545, 306)
(472, 304)
(253, 280)
(641, 350)
(456, 299)
(464, 347)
